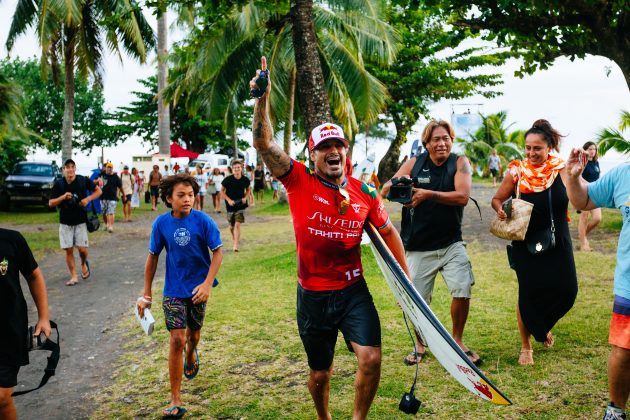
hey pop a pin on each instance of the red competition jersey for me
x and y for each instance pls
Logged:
(328, 243)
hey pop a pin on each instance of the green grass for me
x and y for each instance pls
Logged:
(253, 365)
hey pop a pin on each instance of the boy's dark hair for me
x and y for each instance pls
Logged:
(168, 183)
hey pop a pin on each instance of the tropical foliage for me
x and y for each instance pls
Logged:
(432, 64)
(42, 104)
(76, 33)
(214, 66)
(14, 138)
(493, 134)
(613, 139)
(140, 118)
(540, 31)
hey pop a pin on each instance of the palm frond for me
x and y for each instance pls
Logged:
(24, 16)
(611, 139)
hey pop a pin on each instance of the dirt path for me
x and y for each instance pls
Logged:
(88, 312)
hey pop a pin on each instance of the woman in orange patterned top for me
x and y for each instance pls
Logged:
(547, 281)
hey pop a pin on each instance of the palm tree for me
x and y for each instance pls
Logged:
(205, 67)
(76, 31)
(493, 134)
(164, 130)
(610, 138)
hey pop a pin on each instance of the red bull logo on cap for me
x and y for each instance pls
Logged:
(324, 132)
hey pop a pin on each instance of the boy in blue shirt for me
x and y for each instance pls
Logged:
(186, 234)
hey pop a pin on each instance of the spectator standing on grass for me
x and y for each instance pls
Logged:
(127, 186)
(214, 187)
(590, 174)
(494, 164)
(329, 209)
(15, 258)
(610, 191)
(187, 235)
(138, 188)
(70, 195)
(111, 188)
(259, 183)
(202, 180)
(154, 184)
(235, 189)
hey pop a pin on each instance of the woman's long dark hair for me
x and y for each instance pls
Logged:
(550, 134)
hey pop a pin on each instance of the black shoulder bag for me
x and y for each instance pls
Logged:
(92, 219)
(543, 240)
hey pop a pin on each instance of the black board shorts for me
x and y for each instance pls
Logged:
(8, 376)
(320, 315)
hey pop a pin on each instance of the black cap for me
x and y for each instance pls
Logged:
(126, 167)
(69, 161)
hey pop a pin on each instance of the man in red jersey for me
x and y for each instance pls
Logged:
(329, 210)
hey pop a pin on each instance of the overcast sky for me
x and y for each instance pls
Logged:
(578, 98)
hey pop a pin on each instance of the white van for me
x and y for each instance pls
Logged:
(211, 161)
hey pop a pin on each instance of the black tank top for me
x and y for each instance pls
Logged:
(431, 225)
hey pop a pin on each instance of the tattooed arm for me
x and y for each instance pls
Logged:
(274, 157)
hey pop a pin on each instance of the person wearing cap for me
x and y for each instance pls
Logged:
(329, 209)
(70, 195)
(112, 185)
(127, 182)
(431, 227)
(235, 189)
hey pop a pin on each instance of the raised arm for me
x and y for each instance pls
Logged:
(577, 187)
(274, 157)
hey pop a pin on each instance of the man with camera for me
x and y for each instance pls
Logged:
(15, 258)
(329, 209)
(70, 195)
(234, 190)
(434, 187)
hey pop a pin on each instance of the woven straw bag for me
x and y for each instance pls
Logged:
(514, 228)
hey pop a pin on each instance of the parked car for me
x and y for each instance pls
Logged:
(29, 183)
(210, 161)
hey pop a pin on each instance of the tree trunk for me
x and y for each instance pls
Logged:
(164, 128)
(310, 78)
(235, 140)
(389, 164)
(68, 108)
(288, 126)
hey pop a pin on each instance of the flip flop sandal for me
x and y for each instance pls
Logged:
(477, 362)
(72, 282)
(195, 367)
(419, 356)
(174, 412)
(83, 276)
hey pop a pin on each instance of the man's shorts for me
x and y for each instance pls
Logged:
(237, 216)
(620, 323)
(8, 376)
(259, 186)
(451, 261)
(155, 190)
(109, 206)
(494, 172)
(320, 315)
(71, 236)
(128, 198)
(180, 313)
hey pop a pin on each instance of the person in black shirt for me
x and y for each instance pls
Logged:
(431, 227)
(111, 186)
(259, 184)
(590, 174)
(234, 189)
(70, 195)
(15, 258)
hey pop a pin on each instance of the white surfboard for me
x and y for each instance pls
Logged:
(442, 345)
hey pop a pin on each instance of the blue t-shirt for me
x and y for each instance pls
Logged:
(187, 257)
(613, 191)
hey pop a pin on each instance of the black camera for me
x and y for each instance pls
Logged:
(409, 404)
(400, 190)
(72, 201)
(35, 342)
(261, 84)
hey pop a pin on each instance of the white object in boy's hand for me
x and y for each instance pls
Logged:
(146, 321)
